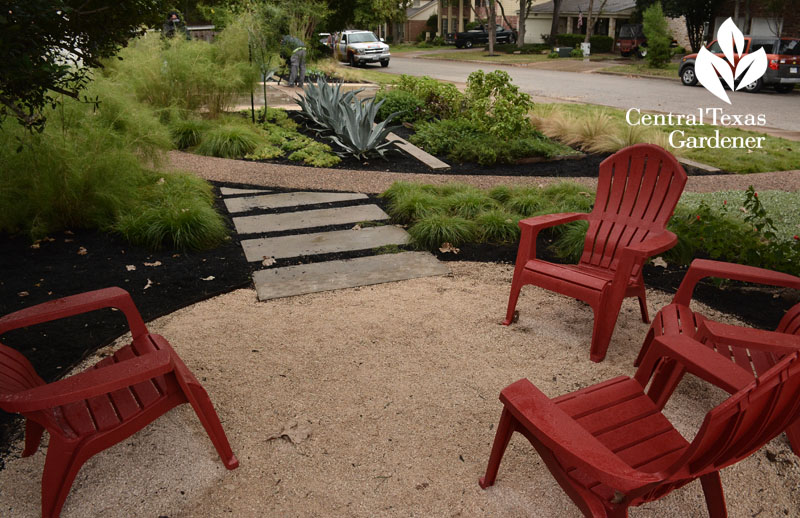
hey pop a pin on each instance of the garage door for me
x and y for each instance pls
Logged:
(535, 27)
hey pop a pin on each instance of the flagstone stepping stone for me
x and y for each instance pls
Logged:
(323, 242)
(348, 273)
(288, 199)
(230, 191)
(308, 219)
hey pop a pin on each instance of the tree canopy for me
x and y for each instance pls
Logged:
(50, 46)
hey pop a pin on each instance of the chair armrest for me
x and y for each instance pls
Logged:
(564, 436)
(530, 228)
(702, 361)
(90, 383)
(653, 245)
(75, 305)
(772, 341)
(701, 268)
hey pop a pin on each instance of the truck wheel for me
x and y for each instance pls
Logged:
(755, 86)
(641, 52)
(784, 89)
(468, 44)
(385, 63)
(688, 77)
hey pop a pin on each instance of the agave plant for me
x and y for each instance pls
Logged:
(347, 121)
(359, 135)
(320, 105)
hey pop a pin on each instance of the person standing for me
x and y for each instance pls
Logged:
(173, 25)
(295, 50)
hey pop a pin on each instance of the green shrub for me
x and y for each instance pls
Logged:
(187, 133)
(526, 201)
(501, 193)
(601, 43)
(440, 100)
(497, 105)
(316, 154)
(442, 136)
(528, 48)
(498, 226)
(576, 53)
(432, 231)
(570, 241)
(231, 140)
(570, 40)
(276, 117)
(553, 55)
(265, 152)
(658, 36)
(405, 104)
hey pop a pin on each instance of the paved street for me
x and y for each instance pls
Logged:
(781, 111)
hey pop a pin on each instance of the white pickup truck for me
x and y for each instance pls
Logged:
(359, 48)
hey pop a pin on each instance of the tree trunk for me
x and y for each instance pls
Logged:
(492, 26)
(554, 25)
(523, 15)
(589, 22)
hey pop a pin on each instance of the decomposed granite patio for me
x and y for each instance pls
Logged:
(380, 401)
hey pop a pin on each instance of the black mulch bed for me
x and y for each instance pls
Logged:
(58, 268)
(396, 161)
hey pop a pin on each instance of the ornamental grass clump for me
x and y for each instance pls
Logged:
(432, 231)
(498, 226)
(468, 204)
(231, 140)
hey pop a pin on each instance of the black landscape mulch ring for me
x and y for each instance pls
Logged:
(397, 161)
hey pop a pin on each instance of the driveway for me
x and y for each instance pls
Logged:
(622, 92)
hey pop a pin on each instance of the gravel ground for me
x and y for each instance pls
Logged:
(387, 396)
(298, 177)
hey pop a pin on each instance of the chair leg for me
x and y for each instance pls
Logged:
(33, 437)
(501, 439)
(643, 305)
(648, 339)
(198, 398)
(601, 334)
(715, 498)
(60, 468)
(516, 287)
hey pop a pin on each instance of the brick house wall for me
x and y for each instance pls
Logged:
(414, 28)
(513, 19)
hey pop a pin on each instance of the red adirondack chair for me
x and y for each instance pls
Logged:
(754, 350)
(91, 411)
(610, 447)
(638, 188)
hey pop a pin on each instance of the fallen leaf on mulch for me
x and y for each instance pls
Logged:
(149, 283)
(36, 246)
(294, 432)
(356, 227)
(69, 240)
(69, 232)
(130, 267)
(448, 248)
(23, 293)
(157, 263)
(209, 278)
(82, 251)
(659, 261)
(268, 261)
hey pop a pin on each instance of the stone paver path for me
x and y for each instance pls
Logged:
(294, 219)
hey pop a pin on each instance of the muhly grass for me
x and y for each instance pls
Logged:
(234, 140)
(187, 133)
(431, 232)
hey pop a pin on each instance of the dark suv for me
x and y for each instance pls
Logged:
(783, 58)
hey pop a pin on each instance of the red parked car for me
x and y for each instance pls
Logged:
(631, 40)
(783, 55)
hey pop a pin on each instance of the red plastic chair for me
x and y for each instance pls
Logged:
(637, 191)
(91, 411)
(754, 350)
(610, 447)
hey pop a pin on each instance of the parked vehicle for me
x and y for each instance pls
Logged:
(783, 58)
(631, 40)
(480, 34)
(360, 47)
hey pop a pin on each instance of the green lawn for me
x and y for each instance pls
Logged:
(641, 69)
(371, 74)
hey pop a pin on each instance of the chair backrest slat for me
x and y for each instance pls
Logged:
(16, 372)
(637, 191)
(790, 323)
(748, 419)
